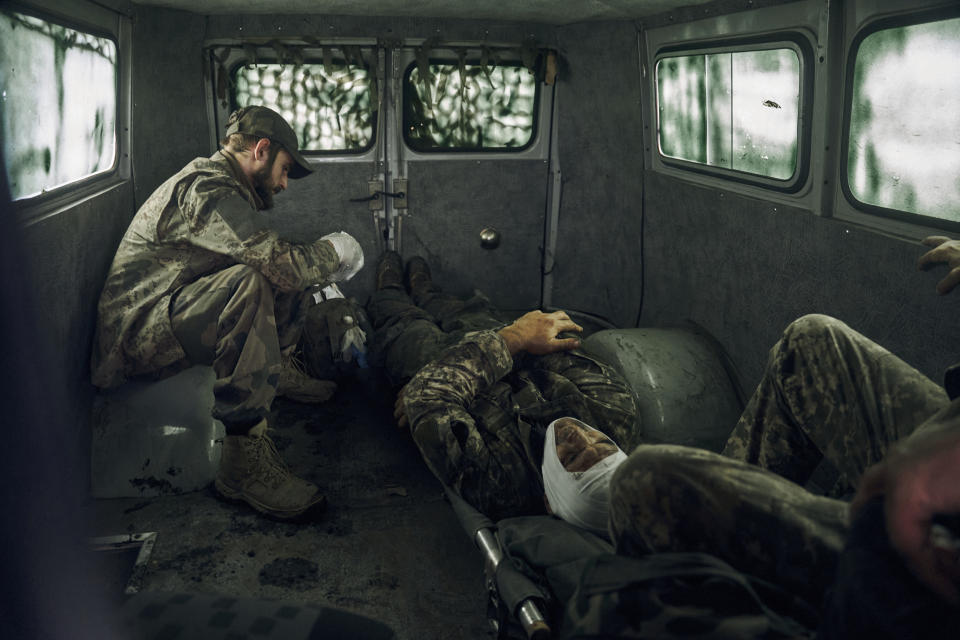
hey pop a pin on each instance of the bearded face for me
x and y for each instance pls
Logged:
(263, 181)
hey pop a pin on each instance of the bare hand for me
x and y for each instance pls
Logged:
(400, 412)
(536, 332)
(946, 251)
(918, 484)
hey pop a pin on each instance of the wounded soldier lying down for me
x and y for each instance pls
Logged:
(486, 396)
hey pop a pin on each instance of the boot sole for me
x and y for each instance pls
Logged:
(238, 497)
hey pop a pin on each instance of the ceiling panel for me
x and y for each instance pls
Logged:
(540, 11)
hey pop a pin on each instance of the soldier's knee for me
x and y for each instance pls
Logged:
(249, 287)
(813, 325)
(804, 339)
(644, 477)
(649, 495)
(246, 277)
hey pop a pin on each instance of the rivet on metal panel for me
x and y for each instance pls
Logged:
(489, 238)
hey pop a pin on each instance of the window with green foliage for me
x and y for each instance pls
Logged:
(329, 106)
(464, 107)
(58, 91)
(738, 110)
(904, 141)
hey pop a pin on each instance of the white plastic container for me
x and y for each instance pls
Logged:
(155, 438)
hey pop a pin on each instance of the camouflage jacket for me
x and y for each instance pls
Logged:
(200, 221)
(479, 417)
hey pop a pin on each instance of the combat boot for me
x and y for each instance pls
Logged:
(252, 471)
(297, 385)
(419, 280)
(390, 271)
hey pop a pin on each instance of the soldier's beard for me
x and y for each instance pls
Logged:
(263, 184)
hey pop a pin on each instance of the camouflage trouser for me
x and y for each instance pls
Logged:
(410, 333)
(229, 320)
(829, 405)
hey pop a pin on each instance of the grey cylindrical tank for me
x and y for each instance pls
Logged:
(685, 390)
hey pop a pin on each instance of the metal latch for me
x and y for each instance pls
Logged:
(399, 193)
(374, 187)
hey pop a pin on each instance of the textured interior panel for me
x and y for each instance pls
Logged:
(743, 269)
(320, 204)
(549, 11)
(169, 123)
(452, 201)
(598, 264)
(70, 254)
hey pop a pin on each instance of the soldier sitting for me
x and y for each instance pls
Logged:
(199, 278)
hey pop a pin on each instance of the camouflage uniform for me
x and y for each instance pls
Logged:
(199, 278)
(829, 405)
(477, 414)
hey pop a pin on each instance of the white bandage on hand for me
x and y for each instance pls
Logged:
(350, 253)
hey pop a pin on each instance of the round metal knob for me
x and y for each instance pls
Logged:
(489, 238)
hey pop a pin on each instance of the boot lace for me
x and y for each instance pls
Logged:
(268, 460)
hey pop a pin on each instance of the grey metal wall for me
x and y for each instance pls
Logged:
(169, 125)
(598, 261)
(452, 201)
(70, 251)
(744, 268)
(69, 256)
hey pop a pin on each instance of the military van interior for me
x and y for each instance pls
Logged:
(683, 177)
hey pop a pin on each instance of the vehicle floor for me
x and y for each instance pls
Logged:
(388, 546)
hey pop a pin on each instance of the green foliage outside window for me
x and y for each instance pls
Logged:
(904, 145)
(738, 110)
(469, 107)
(329, 110)
(58, 98)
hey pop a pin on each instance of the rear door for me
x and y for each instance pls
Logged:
(472, 141)
(436, 151)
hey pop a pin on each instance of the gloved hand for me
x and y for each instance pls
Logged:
(351, 255)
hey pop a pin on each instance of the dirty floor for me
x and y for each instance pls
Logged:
(388, 546)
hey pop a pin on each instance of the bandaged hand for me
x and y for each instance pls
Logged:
(945, 251)
(536, 332)
(350, 253)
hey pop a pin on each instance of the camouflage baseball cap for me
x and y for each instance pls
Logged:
(266, 123)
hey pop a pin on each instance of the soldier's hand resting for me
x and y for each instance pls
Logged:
(945, 251)
(537, 332)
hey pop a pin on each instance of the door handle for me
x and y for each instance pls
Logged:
(376, 196)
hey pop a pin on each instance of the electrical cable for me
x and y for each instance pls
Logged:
(643, 182)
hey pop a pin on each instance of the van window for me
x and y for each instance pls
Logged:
(469, 107)
(329, 106)
(58, 88)
(739, 110)
(904, 137)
